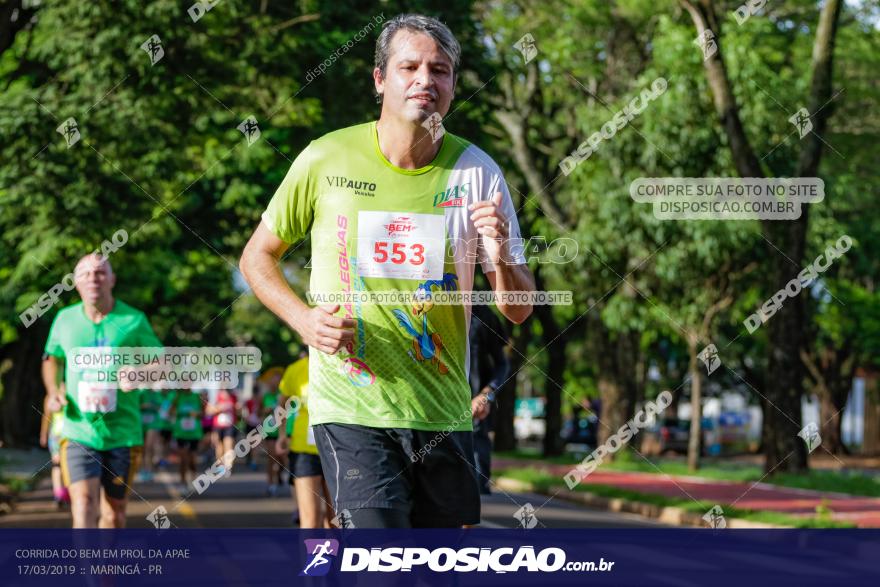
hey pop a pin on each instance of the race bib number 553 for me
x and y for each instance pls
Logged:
(398, 245)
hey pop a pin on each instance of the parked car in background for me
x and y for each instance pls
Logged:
(667, 435)
(723, 435)
(581, 429)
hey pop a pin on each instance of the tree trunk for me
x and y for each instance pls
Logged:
(756, 377)
(696, 432)
(831, 407)
(784, 450)
(617, 358)
(505, 410)
(23, 392)
(830, 420)
(503, 429)
(871, 446)
(9, 28)
(787, 452)
(553, 445)
(831, 378)
(782, 414)
(554, 341)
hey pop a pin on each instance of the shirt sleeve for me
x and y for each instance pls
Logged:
(497, 184)
(285, 386)
(290, 213)
(53, 346)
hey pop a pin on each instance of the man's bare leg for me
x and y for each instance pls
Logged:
(84, 499)
(228, 455)
(309, 491)
(112, 511)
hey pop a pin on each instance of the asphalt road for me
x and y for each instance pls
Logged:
(240, 501)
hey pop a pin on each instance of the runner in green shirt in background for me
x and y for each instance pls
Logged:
(102, 436)
(165, 426)
(268, 403)
(150, 402)
(187, 414)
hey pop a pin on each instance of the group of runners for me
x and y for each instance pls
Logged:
(390, 394)
(104, 440)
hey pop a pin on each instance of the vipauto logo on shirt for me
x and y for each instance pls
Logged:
(360, 187)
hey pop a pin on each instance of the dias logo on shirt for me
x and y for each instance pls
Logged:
(361, 188)
(453, 197)
(320, 554)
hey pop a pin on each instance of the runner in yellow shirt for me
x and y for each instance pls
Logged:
(307, 476)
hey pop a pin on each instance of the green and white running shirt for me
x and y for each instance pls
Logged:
(376, 228)
(98, 414)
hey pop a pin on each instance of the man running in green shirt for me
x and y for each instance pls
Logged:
(394, 206)
(187, 415)
(268, 403)
(101, 432)
(151, 401)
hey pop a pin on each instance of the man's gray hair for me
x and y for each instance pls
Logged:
(417, 23)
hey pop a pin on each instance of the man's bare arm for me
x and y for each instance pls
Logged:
(317, 326)
(508, 278)
(55, 390)
(45, 423)
(492, 225)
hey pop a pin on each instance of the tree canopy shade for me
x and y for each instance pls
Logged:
(642, 281)
(160, 156)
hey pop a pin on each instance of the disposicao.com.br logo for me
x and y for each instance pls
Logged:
(321, 553)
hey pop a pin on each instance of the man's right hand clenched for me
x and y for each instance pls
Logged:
(324, 331)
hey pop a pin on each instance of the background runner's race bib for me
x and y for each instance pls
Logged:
(224, 419)
(95, 398)
(148, 418)
(187, 424)
(400, 245)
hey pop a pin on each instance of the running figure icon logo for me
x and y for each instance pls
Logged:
(709, 356)
(810, 435)
(70, 131)
(153, 47)
(320, 554)
(250, 129)
(434, 125)
(159, 518)
(715, 518)
(526, 516)
(801, 121)
(526, 46)
(706, 42)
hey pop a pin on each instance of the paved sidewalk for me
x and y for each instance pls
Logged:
(18, 463)
(862, 511)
